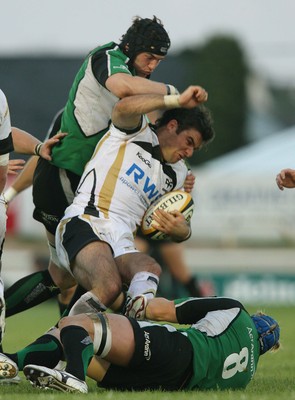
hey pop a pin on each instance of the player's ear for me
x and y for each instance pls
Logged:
(172, 125)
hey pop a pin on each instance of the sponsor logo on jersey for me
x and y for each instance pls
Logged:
(121, 67)
(139, 176)
(169, 184)
(144, 160)
(252, 361)
(49, 217)
(147, 351)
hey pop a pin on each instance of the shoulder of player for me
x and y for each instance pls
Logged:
(180, 167)
(111, 51)
(129, 133)
(110, 58)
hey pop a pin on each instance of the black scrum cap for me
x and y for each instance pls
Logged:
(145, 35)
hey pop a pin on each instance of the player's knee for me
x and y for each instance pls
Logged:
(81, 320)
(87, 303)
(65, 321)
(154, 267)
(114, 288)
(97, 326)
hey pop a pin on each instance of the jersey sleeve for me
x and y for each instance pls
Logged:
(192, 309)
(6, 145)
(108, 62)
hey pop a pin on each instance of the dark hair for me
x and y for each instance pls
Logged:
(199, 118)
(145, 35)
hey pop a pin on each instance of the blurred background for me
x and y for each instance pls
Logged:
(243, 53)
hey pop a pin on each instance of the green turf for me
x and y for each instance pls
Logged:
(274, 380)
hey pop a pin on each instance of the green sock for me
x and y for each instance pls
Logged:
(29, 292)
(78, 350)
(46, 351)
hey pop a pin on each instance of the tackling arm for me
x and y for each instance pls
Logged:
(122, 85)
(188, 310)
(128, 111)
(26, 143)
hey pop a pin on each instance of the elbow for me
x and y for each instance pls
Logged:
(123, 91)
(121, 85)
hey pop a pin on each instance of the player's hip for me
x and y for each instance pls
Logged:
(53, 191)
(74, 233)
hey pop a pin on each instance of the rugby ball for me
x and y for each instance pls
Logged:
(175, 200)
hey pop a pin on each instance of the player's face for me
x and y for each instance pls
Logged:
(180, 146)
(146, 63)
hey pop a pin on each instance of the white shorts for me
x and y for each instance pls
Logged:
(73, 234)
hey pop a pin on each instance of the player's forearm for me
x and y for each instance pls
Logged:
(24, 142)
(123, 85)
(191, 310)
(25, 178)
(184, 235)
(128, 112)
(160, 309)
(3, 175)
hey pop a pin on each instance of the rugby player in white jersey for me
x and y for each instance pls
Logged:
(130, 168)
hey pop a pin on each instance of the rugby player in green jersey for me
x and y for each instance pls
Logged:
(219, 348)
(110, 72)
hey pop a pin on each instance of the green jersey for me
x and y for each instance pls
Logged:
(88, 110)
(225, 344)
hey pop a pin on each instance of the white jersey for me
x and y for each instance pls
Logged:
(6, 147)
(125, 175)
(5, 126)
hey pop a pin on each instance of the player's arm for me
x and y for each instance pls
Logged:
(111, 71)
(161, 309)
(3, 176)
(286, 179)
(15, 166)
(23, 180)
(187, 310)
(26, 143)
(122, 85)
(127, 112)
(173, 224)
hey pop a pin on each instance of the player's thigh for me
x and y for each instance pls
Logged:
(162, 358)
(123, 343)
(62, 278)
(94, 266)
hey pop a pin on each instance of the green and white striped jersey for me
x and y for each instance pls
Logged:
(87, 113)
(225, 343)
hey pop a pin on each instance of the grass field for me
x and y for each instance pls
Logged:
(275, 378)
